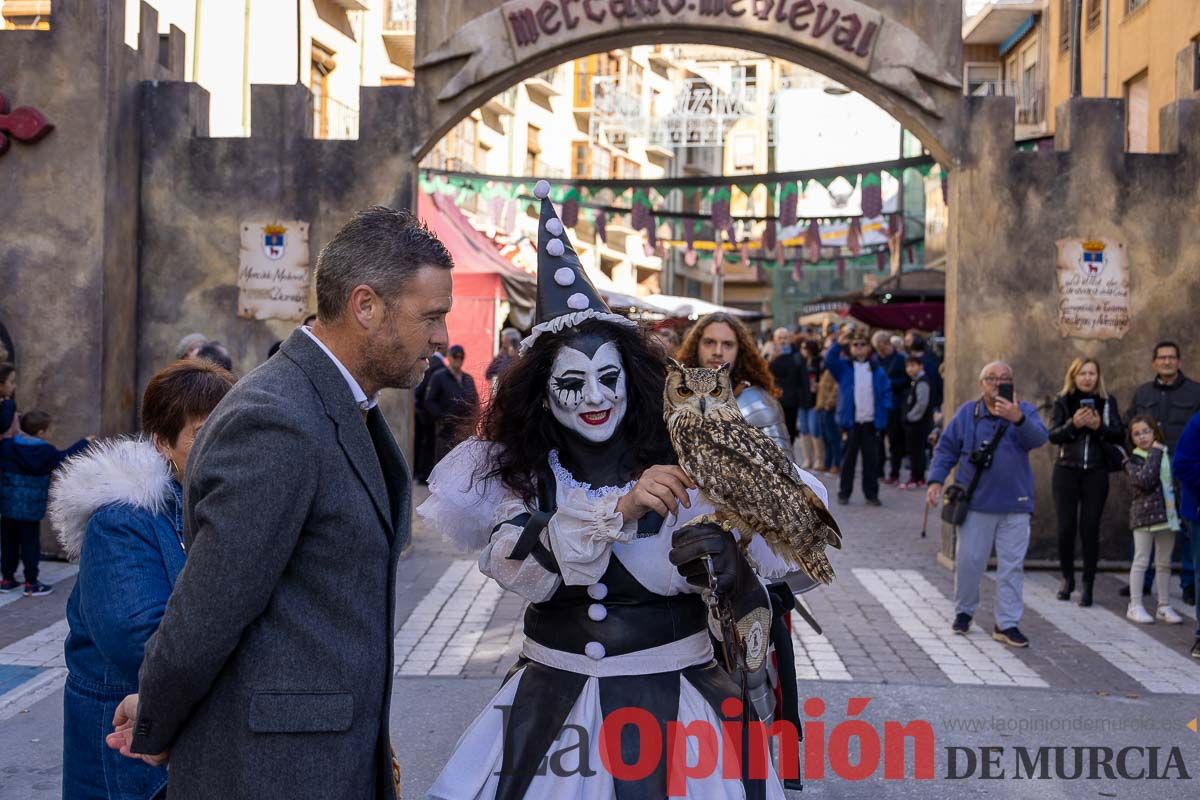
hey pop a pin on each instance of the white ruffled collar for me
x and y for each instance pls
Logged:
(564, 477)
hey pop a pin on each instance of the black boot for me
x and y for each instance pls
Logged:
(1066, 587)
(1085, 597)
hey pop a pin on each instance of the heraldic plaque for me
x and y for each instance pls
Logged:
(273, 270)
(1093, 289)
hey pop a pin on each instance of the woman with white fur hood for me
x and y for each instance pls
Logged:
(118, 509)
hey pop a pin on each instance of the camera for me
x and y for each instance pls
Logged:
(981, 457)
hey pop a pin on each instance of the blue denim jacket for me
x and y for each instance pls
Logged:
(130, 554)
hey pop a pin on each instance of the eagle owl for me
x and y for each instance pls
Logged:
(751, 482)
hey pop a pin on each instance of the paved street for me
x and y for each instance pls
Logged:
(1090, 677)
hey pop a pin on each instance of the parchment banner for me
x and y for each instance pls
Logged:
(1093, 289)
(847, 31)
(273, 270)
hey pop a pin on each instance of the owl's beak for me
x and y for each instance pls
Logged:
(703, 402)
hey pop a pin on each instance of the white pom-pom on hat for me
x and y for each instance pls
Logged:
(541, 189)
(564, 276)
(555, 247)
(554, 226)
(577, 302)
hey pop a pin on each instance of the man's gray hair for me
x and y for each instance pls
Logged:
(879, 338)
(382, 248)
(991, 364)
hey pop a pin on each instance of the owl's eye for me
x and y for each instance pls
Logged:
(716, 392)
(684, 391)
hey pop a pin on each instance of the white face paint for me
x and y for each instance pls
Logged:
(587, 395)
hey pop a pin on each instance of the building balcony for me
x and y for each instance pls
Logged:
(545, 84)
(1031, 102)
(353, 5)
(503, 104)
(400, 31)
(999, 21)
(659, 153)
(333, 119)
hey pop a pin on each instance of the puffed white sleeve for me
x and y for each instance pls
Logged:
(582, 532)
(527, 577)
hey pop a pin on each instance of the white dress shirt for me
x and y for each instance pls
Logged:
(363, 402)
(864, 392)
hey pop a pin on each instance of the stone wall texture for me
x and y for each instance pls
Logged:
(1007, 211)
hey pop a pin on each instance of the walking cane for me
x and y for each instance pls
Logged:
(925, 521)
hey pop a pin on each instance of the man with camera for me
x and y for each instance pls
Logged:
(989, 441)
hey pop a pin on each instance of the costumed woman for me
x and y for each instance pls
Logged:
(573, 492)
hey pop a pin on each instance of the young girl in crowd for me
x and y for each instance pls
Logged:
(8, 400)
(1152, 517)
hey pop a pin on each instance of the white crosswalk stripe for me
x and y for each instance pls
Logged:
(1119, 642)
(41, 649)
(440, 635)
(816, 658)
(924, 613)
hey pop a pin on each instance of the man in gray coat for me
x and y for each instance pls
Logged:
(271, 672)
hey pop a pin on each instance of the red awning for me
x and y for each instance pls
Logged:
(472, 251)
(482, 278)
(901, 316)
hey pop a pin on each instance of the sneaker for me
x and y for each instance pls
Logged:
(890, 481)
(7, 586)
(37, 589)
(906, 486)
(962, 624)
(1138, 613)
(1196, 648)
(1168, 615)
(873, 501)
(1010, 636)
(1189, 595)
(919, 485)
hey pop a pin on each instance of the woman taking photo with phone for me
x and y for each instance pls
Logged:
(1086, 427)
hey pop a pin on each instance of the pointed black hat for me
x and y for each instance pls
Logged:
(565, 294)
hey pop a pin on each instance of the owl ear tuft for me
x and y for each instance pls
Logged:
(673, 364)
(723, 369)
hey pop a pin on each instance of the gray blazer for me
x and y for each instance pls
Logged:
(271, 672)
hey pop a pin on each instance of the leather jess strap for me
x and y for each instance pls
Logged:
(529, 543)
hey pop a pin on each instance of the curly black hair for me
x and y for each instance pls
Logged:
(518, 420)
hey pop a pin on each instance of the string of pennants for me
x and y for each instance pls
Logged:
(709, 235)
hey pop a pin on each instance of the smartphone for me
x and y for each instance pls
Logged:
(1088, 402)
(1006, 391)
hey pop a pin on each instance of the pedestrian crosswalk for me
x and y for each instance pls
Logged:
(1126, 646)
(462, 620)
(32, 668)
(922, 612)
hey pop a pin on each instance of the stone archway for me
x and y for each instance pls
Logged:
(904, 55)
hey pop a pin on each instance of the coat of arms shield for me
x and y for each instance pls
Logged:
(274, 241)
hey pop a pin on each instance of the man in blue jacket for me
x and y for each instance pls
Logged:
(1002, 503)
(864, 398)
(1185, 466)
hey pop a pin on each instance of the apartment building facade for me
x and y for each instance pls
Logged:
(1146, 52)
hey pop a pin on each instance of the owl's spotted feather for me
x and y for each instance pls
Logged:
(752, 483)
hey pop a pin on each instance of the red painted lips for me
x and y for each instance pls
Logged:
(596, 417)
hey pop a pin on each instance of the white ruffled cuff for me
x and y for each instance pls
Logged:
(582, 532)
